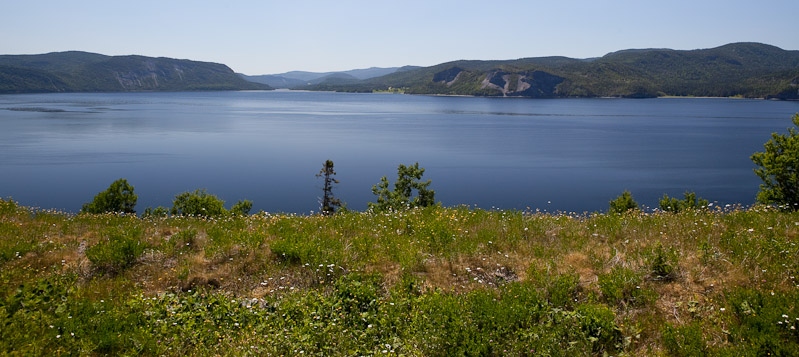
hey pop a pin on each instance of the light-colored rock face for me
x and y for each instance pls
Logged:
(522, 85)
(450, 83)
(149, 76)
(519, 85)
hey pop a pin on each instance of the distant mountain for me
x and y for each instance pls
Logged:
(335, 78)
(90, 72)
(739, 69)
(301, 79)
(275, 81)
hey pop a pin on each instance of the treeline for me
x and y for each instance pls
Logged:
(407, 192)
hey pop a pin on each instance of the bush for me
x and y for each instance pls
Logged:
(673, 205)
(778, 167)
(198, 203)
(155, 212)
(241, 208)
(685, 340)
(119, 197)
(763, 323)
(598, 323)
(623, 203)
(623, 285)
(663, 264)
(119, 251)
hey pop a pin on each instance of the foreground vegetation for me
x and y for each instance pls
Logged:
(426, 281)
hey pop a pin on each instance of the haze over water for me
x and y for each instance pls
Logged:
(59, 150)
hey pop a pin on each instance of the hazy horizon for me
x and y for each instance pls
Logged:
(267, 37)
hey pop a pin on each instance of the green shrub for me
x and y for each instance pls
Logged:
(8, 206)
(119, 197)
(598, 324)
(762, 322)
(357, 293)
(623, 285)
(684, 340)
(673, 205)
(623, 203)
(663, 263)
(563, 290)
(155, 212)
(197, 203)
(49, 317)
(119, 251)
(241, 208)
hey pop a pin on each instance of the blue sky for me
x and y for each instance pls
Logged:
(260, 37)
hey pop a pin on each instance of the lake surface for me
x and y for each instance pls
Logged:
(59, 150)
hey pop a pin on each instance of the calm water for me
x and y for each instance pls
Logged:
(59, 150)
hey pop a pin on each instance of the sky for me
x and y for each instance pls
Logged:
(266, 37)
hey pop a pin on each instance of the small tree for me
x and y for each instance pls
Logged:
(242, 208)
(623, 203)
(159, 211)
(408, 180)
(329, 202)
(197, 203)
(778, 169)
(673, 205)
(119, 197)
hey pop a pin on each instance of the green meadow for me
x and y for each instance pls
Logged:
(419, 282)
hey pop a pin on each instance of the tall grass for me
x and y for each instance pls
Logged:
(432, 281)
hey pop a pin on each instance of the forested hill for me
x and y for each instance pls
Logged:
(90, 72)
(740, 69)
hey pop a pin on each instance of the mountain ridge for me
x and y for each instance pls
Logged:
(744, 69)
(77, 71)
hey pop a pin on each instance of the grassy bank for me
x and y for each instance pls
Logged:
(434, 281)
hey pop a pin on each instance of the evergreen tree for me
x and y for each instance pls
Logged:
(329, 202)
(623, 203)
(408, 180)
